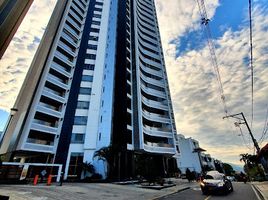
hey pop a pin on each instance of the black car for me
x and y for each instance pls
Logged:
(215, 182)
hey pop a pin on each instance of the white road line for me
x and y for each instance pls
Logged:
(256, 193)
(207, 198)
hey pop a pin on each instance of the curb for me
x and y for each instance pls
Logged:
(177, 191)
(258, 192)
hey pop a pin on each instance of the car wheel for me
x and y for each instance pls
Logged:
(232, 189)
(204, 192)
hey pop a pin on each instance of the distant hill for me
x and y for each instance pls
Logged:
(237, 167)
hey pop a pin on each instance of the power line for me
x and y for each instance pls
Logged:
(251, 63)
(205, 22)
(265, 127)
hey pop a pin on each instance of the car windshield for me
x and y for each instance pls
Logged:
(209, 177)
(215, 177)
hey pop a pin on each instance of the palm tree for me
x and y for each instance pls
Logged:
(87, 167)
(105, 154)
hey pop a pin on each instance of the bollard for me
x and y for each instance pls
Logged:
(35, 179)
(49, 179)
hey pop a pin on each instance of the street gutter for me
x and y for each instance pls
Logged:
(173, 192)
(258, 192)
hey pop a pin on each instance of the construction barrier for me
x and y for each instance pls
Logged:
(35, 179)
(49, 180)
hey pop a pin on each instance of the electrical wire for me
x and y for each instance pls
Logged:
(265, 127)
(251, 63)
(243, 137)
(205, 20)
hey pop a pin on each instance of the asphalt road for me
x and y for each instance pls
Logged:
(241, 192)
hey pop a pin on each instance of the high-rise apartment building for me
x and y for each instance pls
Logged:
(100, 82)
(12, 13)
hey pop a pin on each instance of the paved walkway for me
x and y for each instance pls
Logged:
(96, 191)
(262, 189)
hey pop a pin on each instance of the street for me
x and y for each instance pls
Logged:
(241, 192)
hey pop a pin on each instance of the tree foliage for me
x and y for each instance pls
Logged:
(229, 171)
(87, 167)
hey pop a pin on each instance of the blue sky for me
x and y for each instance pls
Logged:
(197, 106)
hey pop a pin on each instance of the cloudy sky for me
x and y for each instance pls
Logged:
(194, 89)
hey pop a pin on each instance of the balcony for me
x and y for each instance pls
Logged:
(156, 132)
(78, 10)
(38, 147)
(156, 117)
(152, 81)
(152, 91)
(48, 111)
(151, 62)
(154, 104)
(54, 80)
(69, 39)
(69, 19)
(60, 69)
(44, 128)
(64, 59)
(54, 96)
(159, 148)
(67, 49)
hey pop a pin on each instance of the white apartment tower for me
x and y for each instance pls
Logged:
(97, 80)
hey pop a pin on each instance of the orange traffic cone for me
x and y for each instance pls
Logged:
(35, 179)
(49, 179)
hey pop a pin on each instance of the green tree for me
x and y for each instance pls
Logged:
(106, 154)
(87, 167)
(229, 171)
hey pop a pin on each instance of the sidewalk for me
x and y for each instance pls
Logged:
(96, 191)
(262, 189)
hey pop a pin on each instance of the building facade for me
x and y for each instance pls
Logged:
(12, 13)
(189, 158)
(101, 83)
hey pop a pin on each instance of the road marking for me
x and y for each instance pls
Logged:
(24, 193)
(208, 197)
(256, 193)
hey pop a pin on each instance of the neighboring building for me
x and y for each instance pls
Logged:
(97, 79)
(193, 157)
(189, 157)
(12, 13)
(207, 162)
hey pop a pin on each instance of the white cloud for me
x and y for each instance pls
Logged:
(194, 90)
(193, 87)
(17, 59)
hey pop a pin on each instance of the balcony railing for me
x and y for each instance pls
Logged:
(156, 117)
(153, 132)
(159, 148)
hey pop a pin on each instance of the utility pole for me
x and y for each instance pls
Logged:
(244, 121)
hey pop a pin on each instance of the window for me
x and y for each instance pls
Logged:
(95, 30)
(82, 105)
(80, 120)
(98, 9)
(87, 78)
(99, 3)
(91, 56)
(94, 38)
(89, 66)
(97, 15)
(85, 91)
(78, 138)
(76, 160)
(91, 46)
(96, 22)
